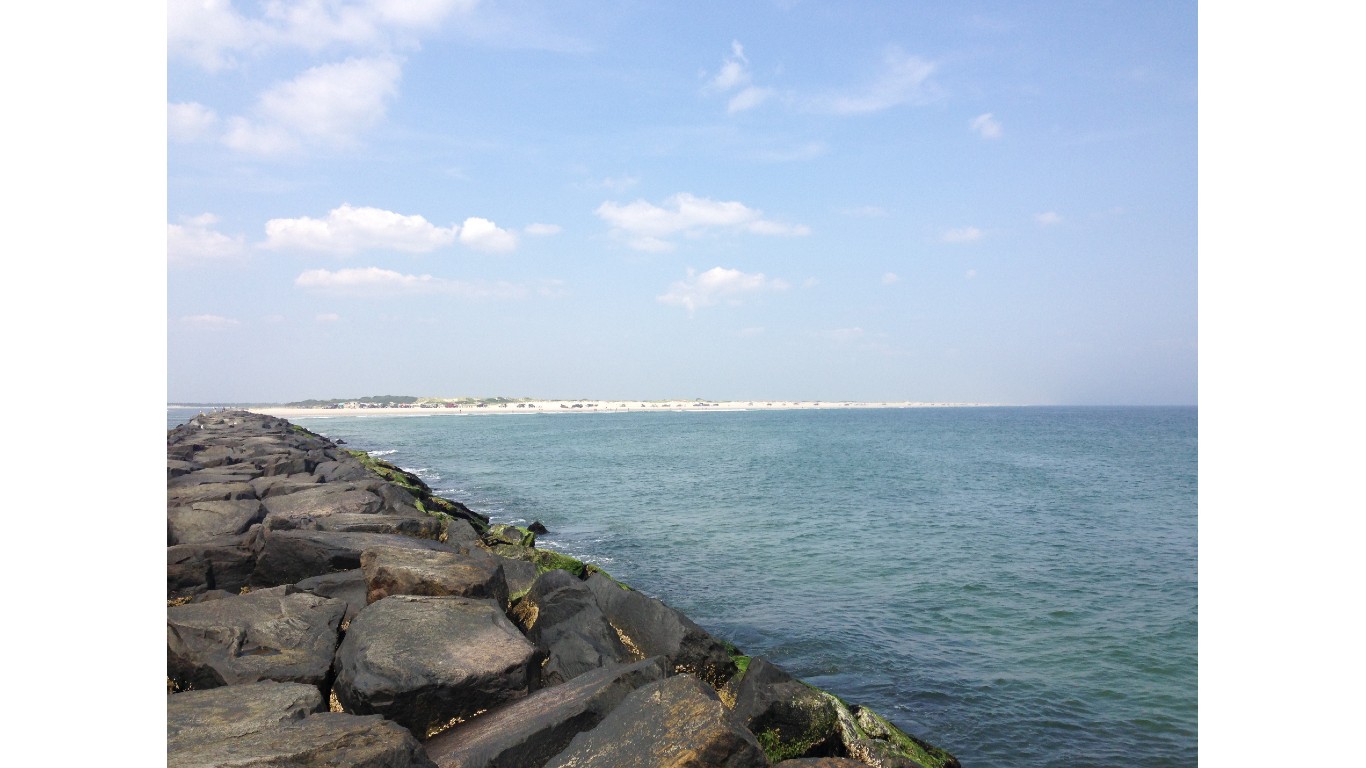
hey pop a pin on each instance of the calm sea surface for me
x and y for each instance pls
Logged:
(1016, 585)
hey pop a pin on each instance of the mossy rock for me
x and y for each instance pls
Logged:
(510, 534)
(875, 726)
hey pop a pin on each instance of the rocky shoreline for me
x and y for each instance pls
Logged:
(324, 608)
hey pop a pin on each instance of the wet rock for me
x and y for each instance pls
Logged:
(821, 762)
(674, 722)
(392, 571)
(273, 634)
(425, 661)
(538, 528)
(530, 731)
(790, 719)
(651, 628)
(561, 616)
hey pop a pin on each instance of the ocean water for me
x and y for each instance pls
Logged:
(1016, 585)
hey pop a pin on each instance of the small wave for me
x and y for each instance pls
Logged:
(383, 453)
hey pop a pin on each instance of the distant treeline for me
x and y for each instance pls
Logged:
(380, 399)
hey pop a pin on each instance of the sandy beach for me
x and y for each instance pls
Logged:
(596, 406)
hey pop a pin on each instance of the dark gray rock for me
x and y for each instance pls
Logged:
(231, 559)
(326, 740)
(324, 499)
(530, 731)
(561, 616)
(273, 634)
(674, 722)
(392, 571)
(288, 557)
(789, 718)
(425, 661)
(179, 497)
(186, 572)
(417, 527)
(651, 628)
(176, 467)
(206, 519)
(347, 586)
(279, 485)
(821, 762)
(520, 574)
(342, 470)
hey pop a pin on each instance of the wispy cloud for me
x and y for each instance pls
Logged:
(901, 79)
(718, 284)
(327, 317)
(349, 229)
(1048, 218)
(796, 153)
(961, 235)
(210, 322)
(329, 105)
(195, 241)
(645, 226)
(190, 121)
(375, 282)
(986, 126)
(890, 278)
(734, 77)
(842, 335)
(215, 34)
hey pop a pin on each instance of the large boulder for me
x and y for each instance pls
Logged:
(530, 731)
(273, 634)
(676, 722)
(325, 740)
(789, 718)
(417, 527)
(291, 556)
(324, 499)
(821, 762)
(561, 616)
(197, 720)
(203, 520)
(652, 628)
(426, 661)
(394, 571)
(179, 497)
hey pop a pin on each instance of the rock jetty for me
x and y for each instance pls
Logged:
(325, 608)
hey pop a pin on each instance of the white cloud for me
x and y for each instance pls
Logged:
(735, 75)
(214, 34)
(330, 105)
(349, 229)
(484, 235)
(961, 235)
(715, 285)
(210, 322)
(543, 230)
(195, 241)
(903, 79)
(1048, 218)
(328, 317)
(986, 126)
(970, 274)
(889, 278)
(190, 121)
(645, 225)
(375, 282)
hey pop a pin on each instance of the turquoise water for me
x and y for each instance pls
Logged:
(1017, 585)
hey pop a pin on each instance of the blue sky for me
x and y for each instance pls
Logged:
(981, 202)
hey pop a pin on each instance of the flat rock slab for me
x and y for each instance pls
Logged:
(325, 499)
(424, 661)
(206, 519)
(561, 616)
(652, 628)
(179, 497)
(417, 527)
(678, 722)
(326, 740)
(531, 731)
(291, 556)
(196, 720)
(392, 571)
(273, 634)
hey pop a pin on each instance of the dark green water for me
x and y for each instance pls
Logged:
(1017, 585)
